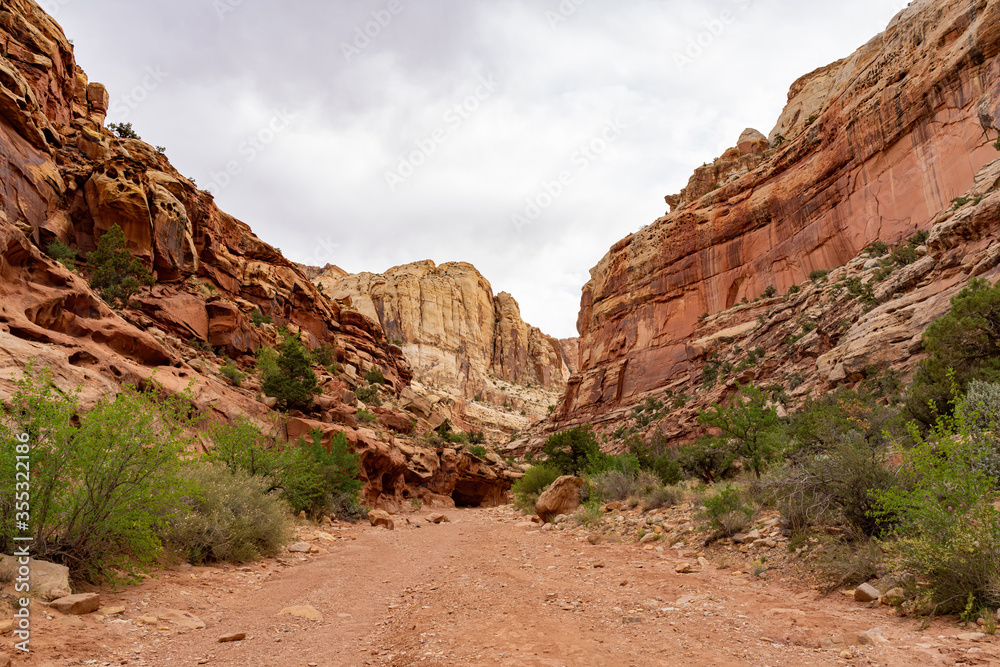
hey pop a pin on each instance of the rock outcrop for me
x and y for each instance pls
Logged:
(460, 339)
(219, 289)
(870, 148)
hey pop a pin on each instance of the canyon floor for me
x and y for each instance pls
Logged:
(485, 589)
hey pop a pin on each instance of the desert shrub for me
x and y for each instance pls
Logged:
(770, 291)
(369, 395)
(794, 289)
(727, 512)
(314, 475)
(663, 496)
(851, 563)
(620, 483)
(366, 417)
(747, 424)
(573, 450)
(948, 529)
(477, 437)
(347, 506)
(62, 253)
(258, 318)
(228, 516)
(478, 451)
(326, 356)
(527, 489)
(826, 421)
(375, 376)
(877, 249)
(102, 483)
(231, 372)
(243, 448)
(116, 275)
(707, 459)
(589, 514)
(290, 379)
(904, 254)
(818, 275)
(964, 345)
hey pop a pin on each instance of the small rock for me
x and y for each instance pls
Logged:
(4, 660)
(300, 548)
(647, 538)
(235, 637)
(685, 568)
(111, 611)
(872, 638)
(6, 626)
(739, 538)
(753, 536)
(846, 655)
(437, 518)
(77, 605)
(381, 518)
(866, 593)
(594, 539)
(562, 518)
(307, 612)
(972, 636)
(894, 597)
(147, 620)
(703, 562)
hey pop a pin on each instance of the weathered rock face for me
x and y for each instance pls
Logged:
(459, 337)
(875, 146)
(64, 177)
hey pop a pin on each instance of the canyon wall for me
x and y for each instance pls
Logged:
(870, 148)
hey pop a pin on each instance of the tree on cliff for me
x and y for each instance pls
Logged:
(747, 424)
(290, 378)
(117, 275)
(964, 345)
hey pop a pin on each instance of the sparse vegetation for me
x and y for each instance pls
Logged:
(63, 254)
(527, 489)
(116, 275)
(375, 376)
(288, 377)
(123, 130)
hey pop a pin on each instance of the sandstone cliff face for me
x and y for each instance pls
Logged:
(458, 336)
(64, 177)
(875, 146)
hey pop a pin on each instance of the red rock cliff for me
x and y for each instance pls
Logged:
(871, 148)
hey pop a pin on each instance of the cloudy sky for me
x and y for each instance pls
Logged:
(524, 136)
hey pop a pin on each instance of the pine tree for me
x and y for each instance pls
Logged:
(117, 275)
(292, 381)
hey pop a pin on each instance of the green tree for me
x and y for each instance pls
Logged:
(290, 379)
(315, 476)
(117, 276)
(964, 343)
(573, 450)
(747, 424)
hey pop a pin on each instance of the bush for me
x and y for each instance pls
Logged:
(748, 425)
(63, 254)
(369, 395)
(326, 356)
(102, 484)
(708, 459)
(964, 345)
(726, 511)
(258, 318)
(478, 451)
(794, 289)
(123, 130)
(229, 517)
(852, 563)
(243, 448)
(983, 412)
(573, 450)
(663, 496)
(313, 475)
(375, 376)
(289, 378)
(232, 373)
(818, 275)
(117, 276)
(527, 489)
(366, 417)
(770, 291)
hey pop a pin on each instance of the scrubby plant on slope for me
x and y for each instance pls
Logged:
(117, 276)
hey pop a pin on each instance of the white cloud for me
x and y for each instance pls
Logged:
(324, 176)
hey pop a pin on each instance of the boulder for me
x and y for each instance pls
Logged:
(437, 518)
(562, 497)
(866, 593)
(307, 612)
(381, 518)
(77, 605)
(48, 580)
(752, 142)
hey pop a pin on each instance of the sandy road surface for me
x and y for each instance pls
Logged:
(483, 591)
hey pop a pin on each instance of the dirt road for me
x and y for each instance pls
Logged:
(481, 590)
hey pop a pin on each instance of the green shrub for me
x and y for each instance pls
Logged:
(709, 459)
(748, 425)
(852, 563)
(904, 254)
(243, 448)
(63, 254)
(229, 517)
(948, 529)
(116, 276)
(366, 417)
(375, 376)
(102, 483)
(477, 437)
(231, 372)
(964, 345)
(258, 318)
(727, 512)
(659, 458)
(983, 413)
(794, 289)
(478, 451)
(326, 356)
(527, 489)
(290, 379)
(877, 249)
(369, 395)
(818, 275)
(314, 476)
(572, 450)
(770, 291)
(123, 130)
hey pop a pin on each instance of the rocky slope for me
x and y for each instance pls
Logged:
(65, 177)
(870, 148)
(461, 340)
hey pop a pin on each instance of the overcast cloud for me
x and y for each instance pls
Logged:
(523, 136)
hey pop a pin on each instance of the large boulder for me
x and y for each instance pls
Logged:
(562, 497)
(48, 580)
